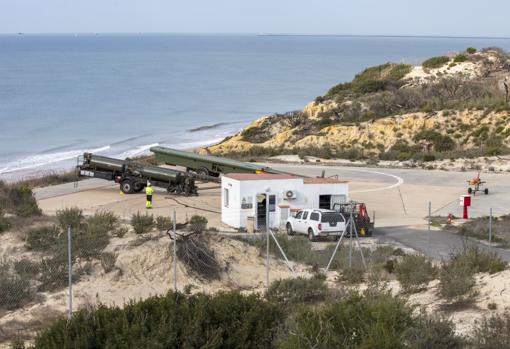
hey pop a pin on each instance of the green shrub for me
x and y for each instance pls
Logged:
(163, 223)
(414, 272)
(435, 62)
(471, 50)
(70, 217)
(102, 222)
(197, 224)
(4, 222)
(26, 268)
(223, 320)
(456, 280)
(15, 290)
(296, 291)
(42, 239)
(429, 157)
(142, 223)
(460, 58)
(108, 260)
(22, 200)
(379, 321)
(434, 332)
(492, 332)
(54, 273)
(481, 261)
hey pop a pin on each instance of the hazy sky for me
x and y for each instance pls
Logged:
(394, 17)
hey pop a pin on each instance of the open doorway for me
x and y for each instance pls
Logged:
(261, 212)
(325, 202)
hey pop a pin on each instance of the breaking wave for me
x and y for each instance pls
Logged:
(35, 161)
(140, 150)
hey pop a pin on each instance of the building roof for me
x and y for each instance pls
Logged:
(321, 180)
(259, 176)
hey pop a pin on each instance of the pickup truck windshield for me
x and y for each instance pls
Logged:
(331, 217)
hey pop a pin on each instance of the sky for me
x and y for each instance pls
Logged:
(345, 17)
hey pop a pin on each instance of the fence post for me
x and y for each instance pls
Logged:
(350, 239)
(70, 272)
(267, 240)
(490, 228)
(428, 231)
(175, 254)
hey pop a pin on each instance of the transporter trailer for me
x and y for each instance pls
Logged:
(206, 165)
(133, 177)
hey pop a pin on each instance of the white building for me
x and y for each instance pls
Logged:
(243, 197)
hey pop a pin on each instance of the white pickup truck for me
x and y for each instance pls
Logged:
(316, 223)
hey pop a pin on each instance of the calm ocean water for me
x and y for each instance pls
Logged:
(61, 95)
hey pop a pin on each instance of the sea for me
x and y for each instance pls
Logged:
(118, 95)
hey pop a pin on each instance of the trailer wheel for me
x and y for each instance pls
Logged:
(470, 190)
(203, 171)
(486, 191)
(127, 187)
(137, 187)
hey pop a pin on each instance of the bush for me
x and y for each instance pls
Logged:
(15, 290)
(163, 223)
(296, 291)
(54, 273)
(22, 200)
(481, 261)
(414, 272)
(108, 260)
(492, 332)
(471, 50)
(198, 257)
(70, 217)
(456, 280)
(429, 157)
(4, 222)
(435, 62)
(379, 321)
(223, 320)
(42, 239)
(434, 332)
(460, 58)
(197, 224)
(142, 223)
(102, 222)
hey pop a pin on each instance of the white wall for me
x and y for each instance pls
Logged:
(245, 192)
(231, 215)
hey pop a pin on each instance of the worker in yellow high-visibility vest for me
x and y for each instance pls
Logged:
(148, 191)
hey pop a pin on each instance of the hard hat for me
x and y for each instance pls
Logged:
(149, 184)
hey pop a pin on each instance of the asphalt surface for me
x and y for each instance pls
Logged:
(437, 244)
(400, 197)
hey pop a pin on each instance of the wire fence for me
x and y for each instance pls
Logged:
(81, 262)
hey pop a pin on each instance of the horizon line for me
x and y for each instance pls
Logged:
(264, 34)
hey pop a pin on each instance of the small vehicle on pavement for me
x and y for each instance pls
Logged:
(316, 223)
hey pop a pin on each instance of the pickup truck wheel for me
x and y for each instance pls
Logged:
(127, 186)
(289, 229)
(311, 237)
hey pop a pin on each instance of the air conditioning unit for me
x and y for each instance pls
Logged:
(289, 195)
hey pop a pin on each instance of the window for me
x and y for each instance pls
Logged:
(305, 215)
(272, 203)
(225, 197)
(299, 214)
(314, 216)
(330, 217)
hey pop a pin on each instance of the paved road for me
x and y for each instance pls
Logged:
(438, 245)
(69, 188)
